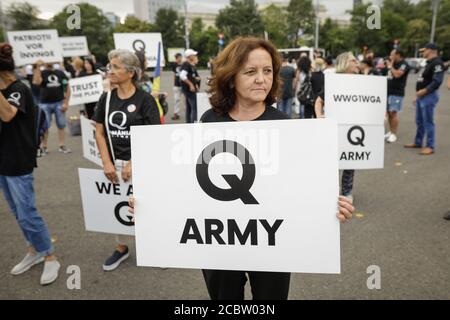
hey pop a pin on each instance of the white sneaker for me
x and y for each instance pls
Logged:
(387, 135)
(50, 272)
(392, 138)
(31, 259)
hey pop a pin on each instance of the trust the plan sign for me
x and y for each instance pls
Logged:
(147, 42)
(358, 103)
(85, 89)
(74, 46)
(105, 205)
(32, 45)
(250, 196)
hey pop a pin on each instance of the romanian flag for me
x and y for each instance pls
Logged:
(157, 82)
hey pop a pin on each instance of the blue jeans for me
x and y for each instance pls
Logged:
(285, 105)
(55, 108)
(19, 194)
(425, 119)
(191, 106)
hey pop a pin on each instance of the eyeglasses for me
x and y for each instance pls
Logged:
(113, 67)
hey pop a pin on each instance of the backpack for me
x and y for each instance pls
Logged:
(305, 95)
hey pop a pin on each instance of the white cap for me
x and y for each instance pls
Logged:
(190, 52)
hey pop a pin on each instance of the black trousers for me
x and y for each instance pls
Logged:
(229, 285)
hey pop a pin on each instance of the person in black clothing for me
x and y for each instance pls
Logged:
(398, 73)
(176, 68)
(427, 99)
(18, 149)
(125, 106)
(288, 76)
(53, 99)
(244, 85)
(190, 84)
(88, 70)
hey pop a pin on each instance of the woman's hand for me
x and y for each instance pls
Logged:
(126, 172)
(346, 209)
(131, 206)
(110, 172)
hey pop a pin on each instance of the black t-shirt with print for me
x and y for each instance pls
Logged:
(434, 66)
(269, 114)
(52, 86)
(176, 68)
(396, 86)
(191, 75)
(139, 109)
(18, 144)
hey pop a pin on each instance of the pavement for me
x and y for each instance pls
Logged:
(398, 227)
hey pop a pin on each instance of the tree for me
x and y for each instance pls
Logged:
(301, 17)
(94, 25)
(203, 41)
(275, 24)
(418, 33)
(171, 28)
(133, 24)
(335, 39)
(24, 16)
(240, 18)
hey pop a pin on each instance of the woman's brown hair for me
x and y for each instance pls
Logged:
(229, 62)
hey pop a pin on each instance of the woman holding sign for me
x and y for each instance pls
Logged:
(117, 110)
(245, 83)
(18, 148)
(345, 63)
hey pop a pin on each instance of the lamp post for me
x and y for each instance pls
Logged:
(435, 7)
(186, 24)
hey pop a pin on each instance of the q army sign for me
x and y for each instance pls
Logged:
(32, 45)
(358, 103)
(105, 205)
(238, 185)
(147, 42)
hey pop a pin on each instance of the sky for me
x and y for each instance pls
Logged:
(336, 8)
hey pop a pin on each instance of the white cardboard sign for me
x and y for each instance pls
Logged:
(280, 214)
(90, 149)
(33, 45)
(355, 99)
(74, 46)
(358, 104)
(203, 104)
(105, 205)
(361, 147)
(141, 41)
(85, 89)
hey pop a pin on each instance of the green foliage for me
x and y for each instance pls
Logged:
(240, 18)
(94, 25)
(24, 16)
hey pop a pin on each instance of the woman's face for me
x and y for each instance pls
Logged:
(254, 81)
(87, 66)
(353, 66)
(117, 73)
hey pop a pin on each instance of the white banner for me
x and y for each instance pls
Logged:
(74, 46)
(358, 104)
(355, 99)
(203, 104)
(266, 200)
(32, 45)
(361, 147)
(141, 41)
(85, 89)
(90, 149)
(105, 205)
(171, 52)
